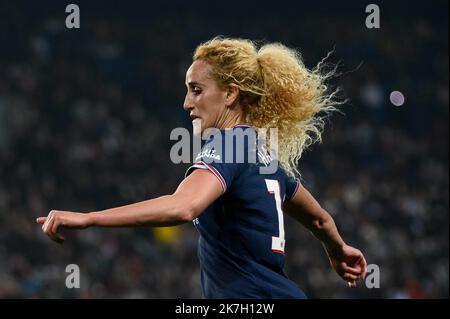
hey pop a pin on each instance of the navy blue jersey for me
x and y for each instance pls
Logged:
(241, 244)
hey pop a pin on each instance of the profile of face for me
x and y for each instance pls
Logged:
(205, 100)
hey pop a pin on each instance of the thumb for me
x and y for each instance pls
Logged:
(41, 220)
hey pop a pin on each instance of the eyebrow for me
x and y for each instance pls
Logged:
(194, 83)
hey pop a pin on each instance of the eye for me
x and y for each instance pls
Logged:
(196, 90)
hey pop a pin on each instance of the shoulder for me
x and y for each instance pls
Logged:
(230, 143)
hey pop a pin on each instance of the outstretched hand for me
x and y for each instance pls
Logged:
(57, 218)
(349, 263)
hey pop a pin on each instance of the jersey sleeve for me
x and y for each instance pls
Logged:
(292, 186)
(212, 157)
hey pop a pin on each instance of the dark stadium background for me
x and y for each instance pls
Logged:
(85, 117)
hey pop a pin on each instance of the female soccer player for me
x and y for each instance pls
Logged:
(238, 209)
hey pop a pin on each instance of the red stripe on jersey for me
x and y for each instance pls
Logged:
(243, 124)
(296, 188)
(218, 175)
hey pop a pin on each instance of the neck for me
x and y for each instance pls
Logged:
(231, 118)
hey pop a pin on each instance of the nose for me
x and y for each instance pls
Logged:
(187, 105)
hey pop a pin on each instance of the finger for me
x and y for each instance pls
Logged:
(47, 221)
(47, 226)
(350, 277)
(54, 231)
(59, 239)
(357, 264)
(41, 220)
(351, 284)
(364, 267)
(48, 229)
(55, 226)
(357, 271)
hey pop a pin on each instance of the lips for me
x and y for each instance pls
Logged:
(197, 125)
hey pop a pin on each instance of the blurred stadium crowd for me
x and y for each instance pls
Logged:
(85, 118)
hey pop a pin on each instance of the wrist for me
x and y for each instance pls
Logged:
(91, 219)
(334, 249)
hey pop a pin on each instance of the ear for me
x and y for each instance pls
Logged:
(232, 93)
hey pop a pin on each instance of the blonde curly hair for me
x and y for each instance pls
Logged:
(276, 90)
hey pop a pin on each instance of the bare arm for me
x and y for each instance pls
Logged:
(183, 206)
(304, 208)
(348, 262)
